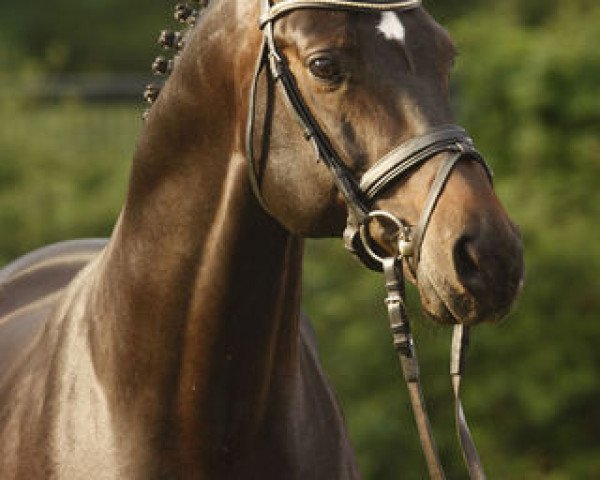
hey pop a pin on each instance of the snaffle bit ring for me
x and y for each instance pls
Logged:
(405, 247)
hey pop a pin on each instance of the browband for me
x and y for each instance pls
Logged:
(281, 8)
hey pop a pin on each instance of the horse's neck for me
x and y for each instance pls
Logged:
(199, 298)
(202, 309)
(219, 307)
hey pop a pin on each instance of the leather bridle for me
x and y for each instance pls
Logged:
(360, 196)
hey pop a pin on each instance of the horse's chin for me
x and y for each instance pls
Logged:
(447, 305)
(436, 309)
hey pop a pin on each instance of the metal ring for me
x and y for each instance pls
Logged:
(364, 236)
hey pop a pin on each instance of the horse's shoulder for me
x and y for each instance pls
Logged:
(30, 288)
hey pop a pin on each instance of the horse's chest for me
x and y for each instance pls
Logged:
(83, 435)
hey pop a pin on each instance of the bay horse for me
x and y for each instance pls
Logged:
(177, 348)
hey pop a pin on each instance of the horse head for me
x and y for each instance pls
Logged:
(373, 80)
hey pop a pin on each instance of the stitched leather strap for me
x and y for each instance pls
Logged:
(286, 6)
(412, 153)
(253, 165)
(435, 192)
(313, 132)
(405, 348)
(446, 138)
(460, 343)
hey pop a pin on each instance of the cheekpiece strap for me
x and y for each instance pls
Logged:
(312, 130)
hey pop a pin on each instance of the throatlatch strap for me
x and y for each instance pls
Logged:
(253, 174)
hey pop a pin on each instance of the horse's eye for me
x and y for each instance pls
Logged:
(325, 68)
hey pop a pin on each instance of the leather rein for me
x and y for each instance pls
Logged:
(360, 196)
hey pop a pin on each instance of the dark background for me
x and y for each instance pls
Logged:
(527, 87)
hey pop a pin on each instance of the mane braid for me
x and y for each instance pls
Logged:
(173, 41)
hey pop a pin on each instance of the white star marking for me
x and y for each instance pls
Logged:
(391, 27)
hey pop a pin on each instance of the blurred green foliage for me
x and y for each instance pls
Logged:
(84, 35)
(63, 171)
(528, 89)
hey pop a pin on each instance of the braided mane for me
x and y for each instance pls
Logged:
(173, 42)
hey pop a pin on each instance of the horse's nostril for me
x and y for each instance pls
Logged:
(466, 262)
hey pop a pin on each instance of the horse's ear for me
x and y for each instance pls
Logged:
(188, 14)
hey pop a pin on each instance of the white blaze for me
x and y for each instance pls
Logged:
(391, 27)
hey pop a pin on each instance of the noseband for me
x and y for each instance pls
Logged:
(451, 140)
